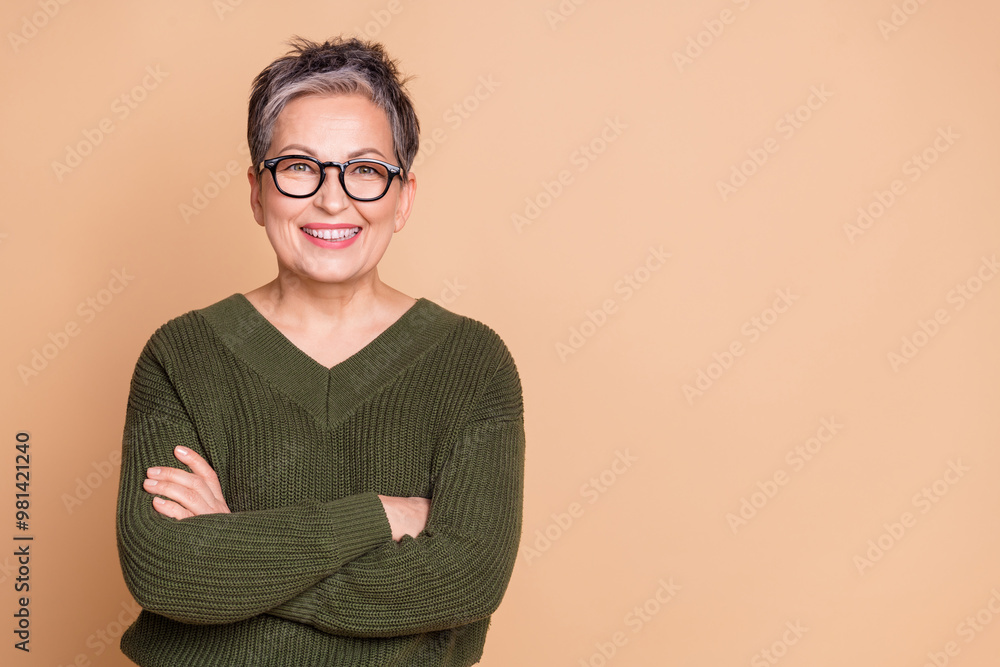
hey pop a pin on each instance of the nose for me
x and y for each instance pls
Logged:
(331, 196)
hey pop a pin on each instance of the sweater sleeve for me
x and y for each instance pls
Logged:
(221, 568)
(457, 570)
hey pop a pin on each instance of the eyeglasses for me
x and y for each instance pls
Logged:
(302, 176)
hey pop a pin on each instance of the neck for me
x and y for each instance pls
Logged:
(304, 303)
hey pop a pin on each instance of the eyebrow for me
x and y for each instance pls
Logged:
(350, 156)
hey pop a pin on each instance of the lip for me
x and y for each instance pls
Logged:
(331, 244)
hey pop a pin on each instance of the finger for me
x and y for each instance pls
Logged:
(188, 498)
(171, 509)
(196, 483)
(200, 467)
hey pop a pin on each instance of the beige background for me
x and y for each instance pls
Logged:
(604, 363)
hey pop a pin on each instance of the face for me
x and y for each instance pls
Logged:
(330, 128)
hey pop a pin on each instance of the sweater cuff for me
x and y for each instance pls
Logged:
(358, 523)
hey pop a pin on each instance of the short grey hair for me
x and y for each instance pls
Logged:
(338, 66)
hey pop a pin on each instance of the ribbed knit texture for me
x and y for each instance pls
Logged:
(304, 571)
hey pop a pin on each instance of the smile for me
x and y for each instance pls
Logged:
(332, 234)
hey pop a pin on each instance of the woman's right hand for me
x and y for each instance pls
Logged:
(407, 516)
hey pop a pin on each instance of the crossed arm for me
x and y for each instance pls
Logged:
(454, 573)
(181, 495)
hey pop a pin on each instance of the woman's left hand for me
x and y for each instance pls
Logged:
(190, 493)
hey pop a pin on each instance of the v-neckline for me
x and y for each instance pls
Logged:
(328, 393)
(326, 368)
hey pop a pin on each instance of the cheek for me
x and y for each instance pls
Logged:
(380, 217)
(279, 209)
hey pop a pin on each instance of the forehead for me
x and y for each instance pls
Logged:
(332, 122)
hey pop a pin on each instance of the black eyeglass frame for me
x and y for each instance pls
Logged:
(271, 164)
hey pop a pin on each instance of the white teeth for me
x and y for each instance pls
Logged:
(332, 234)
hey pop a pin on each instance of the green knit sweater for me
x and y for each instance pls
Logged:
(304, 571)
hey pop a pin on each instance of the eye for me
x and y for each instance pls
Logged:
(366, 170)
(297, 166)
(362, 169)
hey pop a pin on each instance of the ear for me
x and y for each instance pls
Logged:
(405, 204)
(256, 202)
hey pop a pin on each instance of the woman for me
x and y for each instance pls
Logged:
(323, 471)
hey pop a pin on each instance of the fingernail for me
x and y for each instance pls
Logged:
(153, 471)
(181, 451)
(159, 501)
(151, 482)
